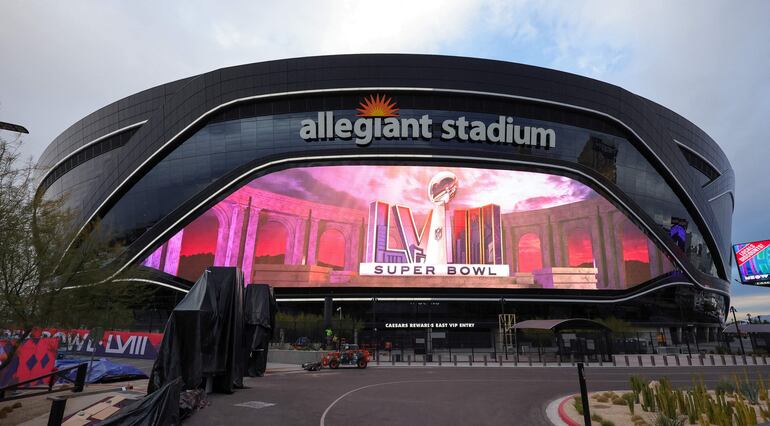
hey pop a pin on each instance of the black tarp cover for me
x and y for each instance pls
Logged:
(203, 334)
(259, 309)
(158, 408)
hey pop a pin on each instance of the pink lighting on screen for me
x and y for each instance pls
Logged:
(579, 249)
(530, 254)
(314, 220)
(271, 243)
(331, 249)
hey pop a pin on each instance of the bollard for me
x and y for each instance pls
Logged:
(439, 360)
(558, 360)
(712, 360)
(601, 362)
(677, 360)
(724, 361)
(56, 415)
(572, 359)
(530, 360)
(423, 359)
(392, 361)
(652, 360)
(689, 360)
(754, 359)
(764, 358)
(470, 360)
(584, 395)
(626, 356)
(735, 361)
(665, 360)
(639, 357)
(455, 360)
(485, 360)
(409, 359)
(500, 361)
(80, 378)
(614, 361)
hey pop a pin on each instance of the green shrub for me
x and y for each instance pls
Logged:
(578, 404)
(637, 384)
(724, 386)
(596, 417)
(606, 423)
(630, 401)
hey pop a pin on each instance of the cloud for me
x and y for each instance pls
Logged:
(756, 303)
(64, 61)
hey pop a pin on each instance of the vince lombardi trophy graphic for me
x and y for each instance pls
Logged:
(441, 189)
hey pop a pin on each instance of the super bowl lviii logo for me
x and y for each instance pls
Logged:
(378, 118)
(460, 242)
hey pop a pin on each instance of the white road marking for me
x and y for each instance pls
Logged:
(255, 404)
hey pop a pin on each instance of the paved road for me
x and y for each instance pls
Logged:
(425, 396)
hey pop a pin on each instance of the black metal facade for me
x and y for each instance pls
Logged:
(98, 168)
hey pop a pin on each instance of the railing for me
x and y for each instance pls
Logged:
(79, 382)
(468, 359)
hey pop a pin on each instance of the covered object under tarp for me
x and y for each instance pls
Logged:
(203, 336)
(259, 310)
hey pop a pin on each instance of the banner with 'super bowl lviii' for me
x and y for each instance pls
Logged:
(416, 226)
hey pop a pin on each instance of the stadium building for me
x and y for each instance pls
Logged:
(413, 198)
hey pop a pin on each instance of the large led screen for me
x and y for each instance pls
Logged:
(753, 261)
(415, 226)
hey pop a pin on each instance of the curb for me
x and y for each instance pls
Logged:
(563, 414)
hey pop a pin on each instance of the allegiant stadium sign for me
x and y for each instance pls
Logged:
(379, 119)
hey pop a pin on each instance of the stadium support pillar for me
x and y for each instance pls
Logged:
(312, 243)
(173, 251)
(234, 235)
(250, 242)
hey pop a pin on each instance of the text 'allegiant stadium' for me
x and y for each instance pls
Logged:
(364, 130)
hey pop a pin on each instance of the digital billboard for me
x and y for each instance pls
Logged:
(753, 260)
(416, 226)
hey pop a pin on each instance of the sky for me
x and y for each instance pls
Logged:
(707, 60)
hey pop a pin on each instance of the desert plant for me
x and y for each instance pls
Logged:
(637, 384)
(578, 404)
(630, 401)
(745, 388)
(665, 399)
(663, 420)
(648, 399)
(744, 413)
(724, 386)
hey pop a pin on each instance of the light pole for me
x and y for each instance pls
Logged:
(737, 330)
